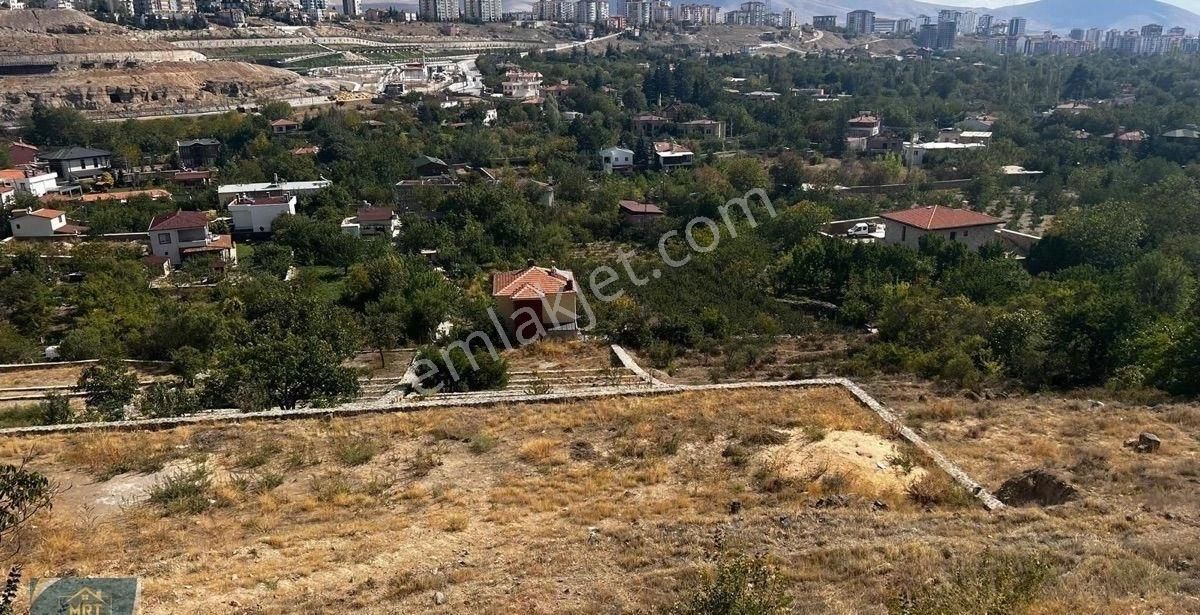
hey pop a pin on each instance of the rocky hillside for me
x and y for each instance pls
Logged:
(67, 31)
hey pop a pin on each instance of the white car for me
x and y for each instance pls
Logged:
(862, 229)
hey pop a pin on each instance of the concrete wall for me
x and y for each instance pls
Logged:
(74, 60)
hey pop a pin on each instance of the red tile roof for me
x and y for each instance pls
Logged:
(71, 229)
(179, 220)
(375, 214)
(48, 214)
(284, 122)
(635, 207)
(532, 283)
(936, 217)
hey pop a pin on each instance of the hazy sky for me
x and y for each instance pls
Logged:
(1191, 5)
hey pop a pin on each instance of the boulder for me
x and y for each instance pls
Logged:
(1146, 442)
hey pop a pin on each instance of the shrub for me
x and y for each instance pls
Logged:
(55, 410)
(739, 585)
(162, 400)
(184, 491)
(991, 583)
(355, 450)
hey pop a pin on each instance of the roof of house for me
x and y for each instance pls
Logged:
(667, 148)
(179, 220)
(307, 150)
(306, 186)
(218, 242)
(155, 260)
(263, 200)
(1182, 133)
(936, 217)
(423, 160)
(375, 214)
(635, 207)
(71, 229)
(532, 282)
(183, 176)
(191, 142)
(701, 122)
(649, 118)
(73, 153)
(45, 212)
(12, 174)
(24, 145)
(285, 122)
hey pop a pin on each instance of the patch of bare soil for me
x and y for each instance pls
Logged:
(868, 464)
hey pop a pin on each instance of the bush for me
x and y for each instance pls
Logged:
(162, 400)
(479, 371)
(739, 585)
(55, 410)
(992, 583)
(184, 491)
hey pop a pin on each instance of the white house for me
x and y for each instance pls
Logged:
(616, 159)
(914, 153)
(257, 214)
(73, 163)
(371, 221)
(184, 234)
(522, 85)
(29, 182)
(906, 227)
(671, 155)
(42, 223)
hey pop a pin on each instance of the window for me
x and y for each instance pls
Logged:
(965, 233)
(903, 233)
(953, 235)
(164, 238)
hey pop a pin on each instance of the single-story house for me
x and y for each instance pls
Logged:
(713, 129)
(865, 124)
(255, 215)
(29, 181)
(536, 302)
(647, 124)
(428, 166)
(42, 223)
(181, 235)
(72, 163)
(284, 126)
(906, 227)
(633, 212)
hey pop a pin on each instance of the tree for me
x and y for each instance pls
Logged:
(56, 410)
(163, 400)
(14, 348)
(1162, 282)
(1106, 236)
(276, 110)
(384, 328)
(478, 372)
(271, 259)
(108, 387)
(23, 493)
(270, 372)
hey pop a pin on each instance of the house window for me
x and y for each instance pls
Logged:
(903, 233)
(965, 233)
(164, 238)
(953, 235)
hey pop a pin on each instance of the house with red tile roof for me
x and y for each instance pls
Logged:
(184, 234)
(369, 221)
(633, 212)
(43, 224)
(906, 227)
(536, 302)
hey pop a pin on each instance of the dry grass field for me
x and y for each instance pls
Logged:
(618, 505)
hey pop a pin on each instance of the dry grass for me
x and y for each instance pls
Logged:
(608, 506)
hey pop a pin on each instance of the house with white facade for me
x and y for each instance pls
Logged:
(181, 235)
(256, 215)
(671, 155)
(906, 227)
(522, 85)
(271, 188)
(372, 221)
(616, 159)
(43, 223)
(74, 163)
(24, 181)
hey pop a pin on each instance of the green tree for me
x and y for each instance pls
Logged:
(1164, 283)
(164, 400)
(56, 410)
(740, 585)
(108, 387)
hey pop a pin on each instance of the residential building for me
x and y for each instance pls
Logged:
(372, 221)
(522, 85)
(352, 8)
(637, 12)
(536, 302)
(711, 129)
(884, 26)
(182, 235)
(231, 18)
(256, 215)
(438, 10)
(914, 153)
(824, 22)
(649, 124)
(946, 33)
(197, 153)
(860, 22)
(1017, 25)
(904, 27)
(284, 126)
(1152, 30)
(42, 223)
(21, 154)
(273, 188)
(163, 8)
(669, 155)
(638, 214)
(481, 11)
(906, 227)
(701, 14)
(616, 159)
(75, 163)
(28, 181)
(865, 124)
(429, 166)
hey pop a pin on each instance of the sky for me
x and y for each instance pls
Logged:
(1191, 5)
